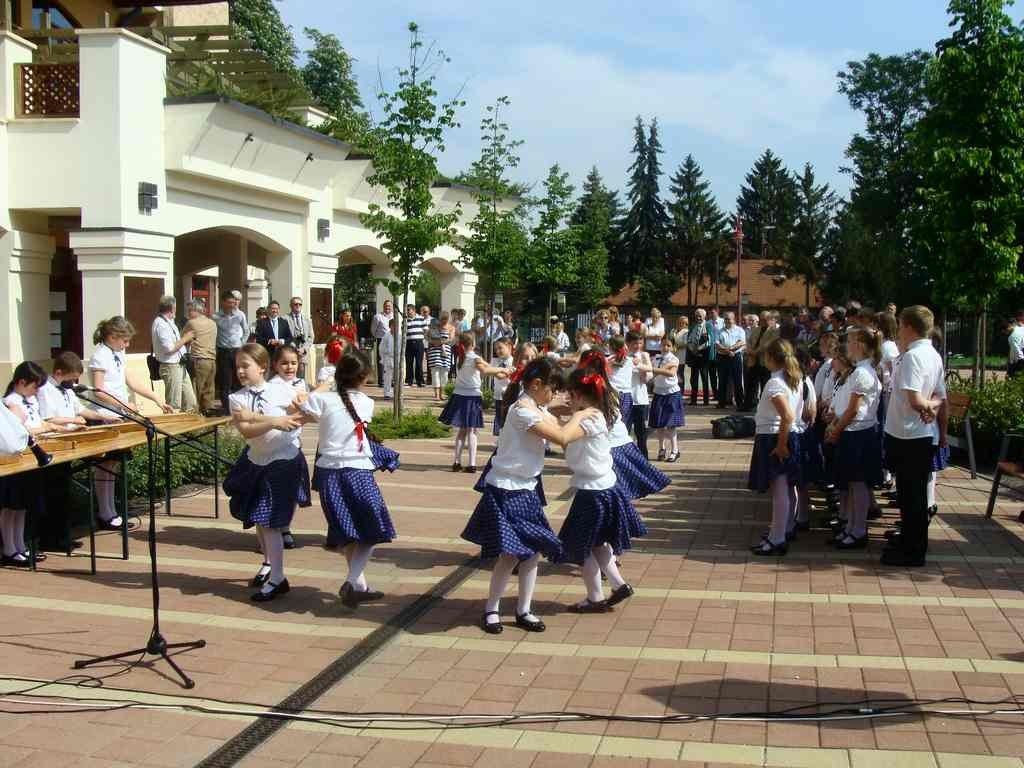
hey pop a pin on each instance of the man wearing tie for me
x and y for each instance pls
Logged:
(275, 331)
(302, 333)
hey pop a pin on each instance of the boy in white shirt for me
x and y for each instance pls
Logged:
(387, 360)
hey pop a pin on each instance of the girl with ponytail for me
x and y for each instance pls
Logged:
(348, 456)
(602, 520)
(465, 408)
(775, 464)
(620, 374)
(667, 410)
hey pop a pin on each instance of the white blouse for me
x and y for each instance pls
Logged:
(29, 406)
(339, 445)
(500, 385)
(799, 425)
(467, 378)
(667, 385)
(621, 376)
(13, 435)
(271, 400)
(861, 381)
(890, 353)
(767, 418)
(113, 366)
(619, 434)
(520, 455)
(56, 402)
(640, 394)
(590, 457)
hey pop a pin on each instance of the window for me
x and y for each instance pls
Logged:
(60, 18)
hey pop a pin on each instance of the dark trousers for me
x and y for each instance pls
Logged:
(1014, 369)
(227, 375)
(730, 380)
(698, 369)
(713, 375)
(754, 378)
(414, 361)
(638, 417)
(911, 461)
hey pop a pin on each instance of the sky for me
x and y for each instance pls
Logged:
(725, 78)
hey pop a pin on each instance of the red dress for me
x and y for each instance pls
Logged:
(348, 333)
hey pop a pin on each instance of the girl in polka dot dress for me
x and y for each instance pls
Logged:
(285, 363)
(348, 456)
(508, 522)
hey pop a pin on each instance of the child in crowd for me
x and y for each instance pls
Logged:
(811, 464)
(271, 477)
(824, 390)
(940, 440)
(667, 413)
(508, 522)
(775, 464)
(387, 361)
(620, 375)
(285, 363)
(642, 370)
(549, 348)
(464, 408)
(333, 350)
(886, 324)
(602, 520)
(23, 493)
(503, 361)
(346, 461)
(853, 430)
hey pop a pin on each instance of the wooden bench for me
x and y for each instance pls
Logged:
(959, 408)
(1004, 467)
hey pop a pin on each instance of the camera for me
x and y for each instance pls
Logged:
(299, 339)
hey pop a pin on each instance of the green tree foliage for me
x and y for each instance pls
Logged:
(646, 223)
(552, 257)
(594, 218)
(261, 22)
(328, 75)
(814, 207)
(767, 203)
(353, 287)
(698, 227)
(890, 91)
(427, 290)
(970, 149)
(404, 146)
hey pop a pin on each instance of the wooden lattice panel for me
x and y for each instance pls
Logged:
(49, 90)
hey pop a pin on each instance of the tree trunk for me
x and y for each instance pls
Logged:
(547, 320)
(976, 367)
(399, 379)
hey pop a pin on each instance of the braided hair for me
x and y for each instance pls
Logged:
(350, 372)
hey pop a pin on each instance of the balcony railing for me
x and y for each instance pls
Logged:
(48, 90)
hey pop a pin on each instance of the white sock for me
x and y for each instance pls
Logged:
(606, 560)
(780, 510)
(527, 583)
(7, 531)
(19, 530)
(674, 439)
(499, 580)
(103, 479)
(274, 544)
(932, 480)
(592, 579)
(857, 524)
(472, 447)
(357, 565)
(460, 440)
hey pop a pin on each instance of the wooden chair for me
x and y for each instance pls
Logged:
(1004, 467)
(959, 408)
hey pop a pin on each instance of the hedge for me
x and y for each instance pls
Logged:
(996, 409)
(413, 424)
(187, 466)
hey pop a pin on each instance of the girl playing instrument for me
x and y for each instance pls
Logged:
(464, 408)
(271, 477)
(508, 522)
(285, 363)
(602, 520)
(348, 456)
(667, 410)
(775, 463)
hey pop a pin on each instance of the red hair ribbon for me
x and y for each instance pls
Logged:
(517, 374)
(620, 354)
(360, 433)
(333, 351)
(545, 347)
(596, 381)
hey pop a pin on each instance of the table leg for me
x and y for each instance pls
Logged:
(167, 475)
(92, 520)
(216, 473)
(124, 506)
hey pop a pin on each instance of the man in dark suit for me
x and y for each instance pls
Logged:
(275, 331)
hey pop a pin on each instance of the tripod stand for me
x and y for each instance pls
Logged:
(156, 645)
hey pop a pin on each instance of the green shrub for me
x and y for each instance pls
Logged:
(996, 409)
(486, 392)
(187, 466)
(413, 424)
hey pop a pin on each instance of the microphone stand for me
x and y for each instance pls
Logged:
(156, 645)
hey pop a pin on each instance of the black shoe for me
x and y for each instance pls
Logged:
(661, 455)
(470, 470)
(874, 512)
(17, 560)
(767, 549)
(589, 607)
(491, 627)
(848, 542)
(673, 457)
(892, 536)
(456, 467)
(276, 590)
(902, 558)
(933, 510)
(289, 540)
(40, 556)
(367, 595)
(530, 626)
(260, 578)
(619, 594)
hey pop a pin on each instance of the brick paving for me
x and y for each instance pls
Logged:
(709, 630)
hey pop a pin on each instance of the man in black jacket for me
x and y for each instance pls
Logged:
(274, 331)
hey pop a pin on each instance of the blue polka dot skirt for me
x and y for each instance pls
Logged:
(596, 518)
(667, 411)
(463, 411)
(764, 467)
(384, 458)
(351, 498)
(636, 475)
(481, 483)
(267, 495)
(625, 407)
(511, 523)
(858, 458)
(940, 458)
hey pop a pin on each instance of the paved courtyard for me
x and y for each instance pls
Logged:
(710, 630)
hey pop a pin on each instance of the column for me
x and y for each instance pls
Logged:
(458, 291)
(382, 294)
(25, 260)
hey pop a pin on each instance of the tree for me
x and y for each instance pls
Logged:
(353, 287)
(328, 75)
(767, 203)
(645, 225)
(260, 21)
(403, 145)
(497, 240)
(814, 207)
(697, 228)
(970, 153)
(593, 217)
(552, 257)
